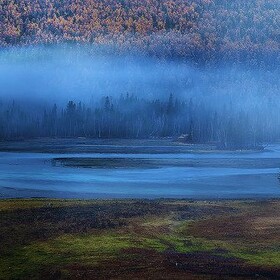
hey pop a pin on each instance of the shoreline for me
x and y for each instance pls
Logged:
(7, 193)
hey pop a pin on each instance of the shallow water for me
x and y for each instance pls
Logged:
(159, 171)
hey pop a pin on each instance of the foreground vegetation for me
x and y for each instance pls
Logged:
(121, 239)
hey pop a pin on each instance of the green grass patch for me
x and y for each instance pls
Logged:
(262, 258)
(88, 250)
(26, 261)
(30, 203)
(188, 244)
(245, 251)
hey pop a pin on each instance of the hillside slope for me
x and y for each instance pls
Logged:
(161, 27)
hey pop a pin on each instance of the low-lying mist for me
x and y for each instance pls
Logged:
(37, 77)
(58, 74)
(65, 72)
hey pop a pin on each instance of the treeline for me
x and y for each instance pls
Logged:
(188, 28)
(131, 117)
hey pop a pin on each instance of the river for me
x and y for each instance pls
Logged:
(135, 169)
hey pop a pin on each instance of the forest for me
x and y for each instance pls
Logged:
(198, 29)
(131, 117)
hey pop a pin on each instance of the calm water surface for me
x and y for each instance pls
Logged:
(157, 171)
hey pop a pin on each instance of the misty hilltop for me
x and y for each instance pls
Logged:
(179, 28)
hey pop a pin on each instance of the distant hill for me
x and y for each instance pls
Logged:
(184, 28)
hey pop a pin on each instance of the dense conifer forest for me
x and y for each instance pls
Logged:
(132, 117)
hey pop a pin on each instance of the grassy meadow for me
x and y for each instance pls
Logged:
(139, 239)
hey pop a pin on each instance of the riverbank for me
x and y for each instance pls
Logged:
(139, 239)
